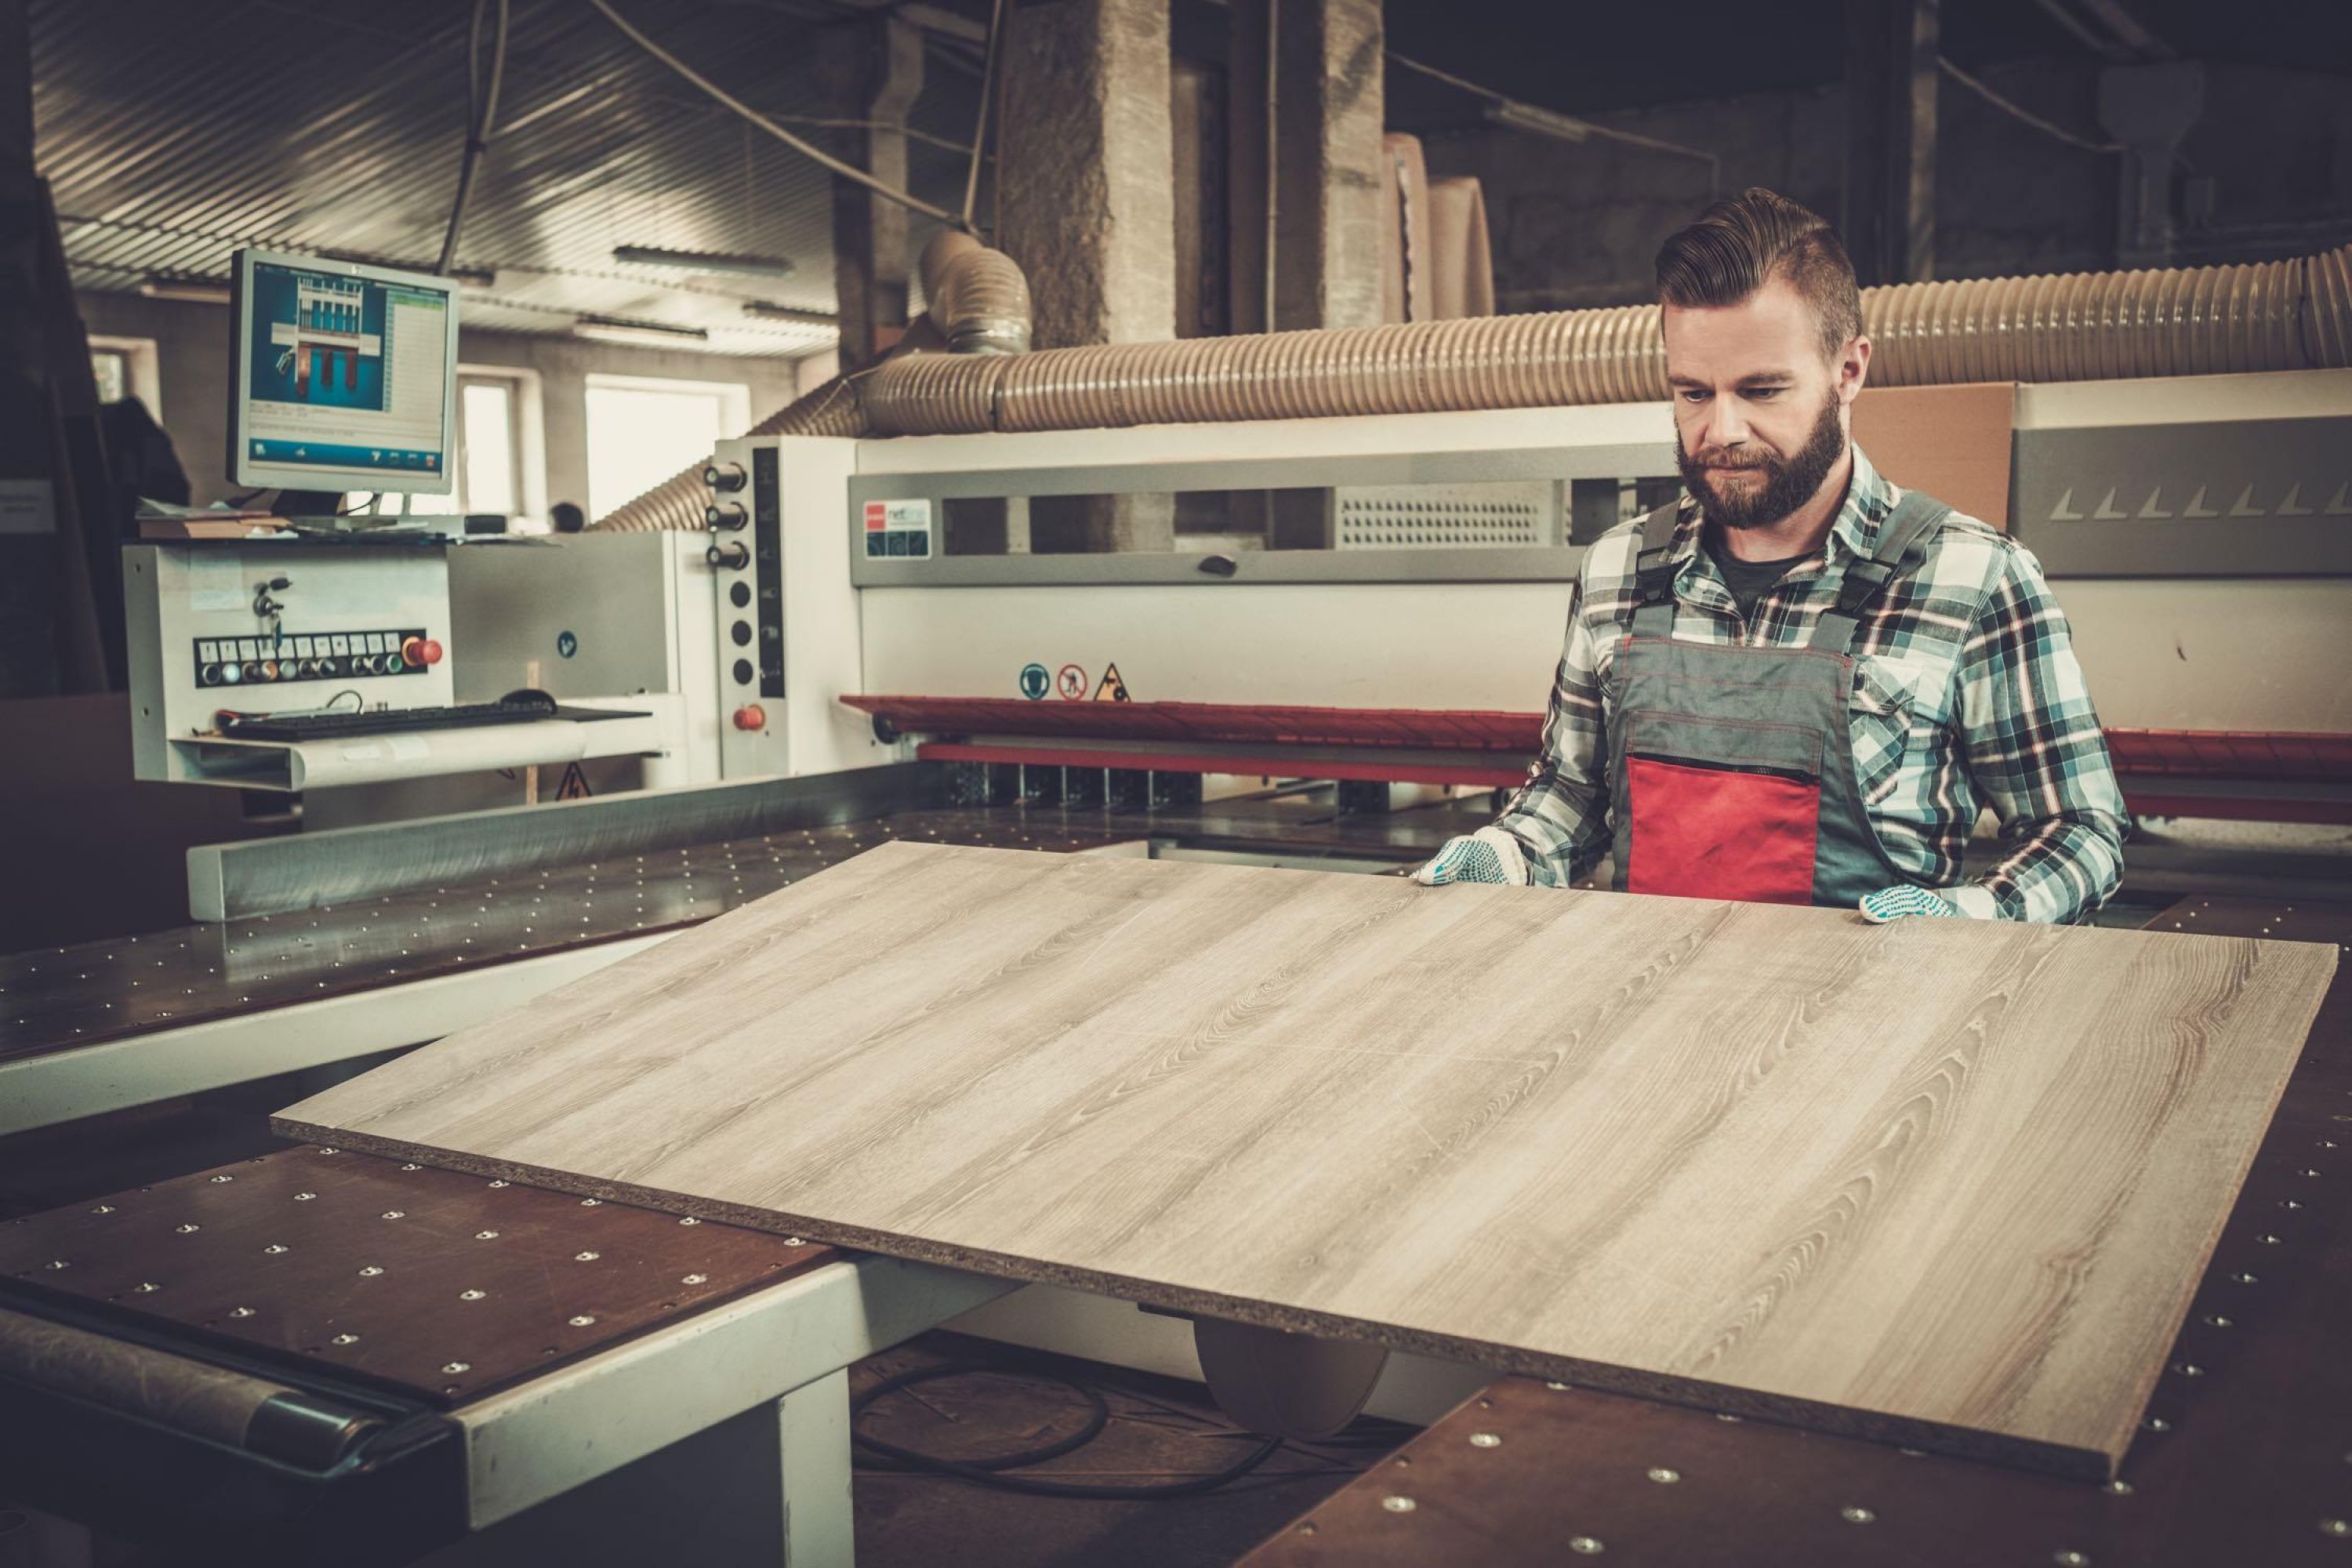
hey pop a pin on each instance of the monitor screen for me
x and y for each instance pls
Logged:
(344, 375)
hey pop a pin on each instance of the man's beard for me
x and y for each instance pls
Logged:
(1787, 483)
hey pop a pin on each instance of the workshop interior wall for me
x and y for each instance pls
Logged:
(1577, 225)
(192, 355)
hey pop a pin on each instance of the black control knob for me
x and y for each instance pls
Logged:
(735, 554)
(741, 632)
(723, 477)
(725, 515)
(210, 675)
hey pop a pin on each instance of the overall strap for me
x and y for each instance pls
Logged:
(1913, 518)
(1654, 574)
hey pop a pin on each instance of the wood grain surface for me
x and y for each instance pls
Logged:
(1946, 1183)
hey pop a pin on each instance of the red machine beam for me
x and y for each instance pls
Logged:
(1494, 748)
(1224, 723)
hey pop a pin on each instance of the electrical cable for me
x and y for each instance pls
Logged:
(359, 703)
(988, 1471)
(2017, 111)
(481, 116)
(846, 170)
(1580, 127)
(979, 125)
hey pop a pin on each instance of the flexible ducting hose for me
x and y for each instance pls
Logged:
(2274, 315)
(2279, 315)
(977, 297)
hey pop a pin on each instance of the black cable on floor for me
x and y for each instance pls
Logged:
(988, 1471)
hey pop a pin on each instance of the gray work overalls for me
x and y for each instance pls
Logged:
(1732, 766)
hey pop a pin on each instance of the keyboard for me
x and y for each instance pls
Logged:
(396, 720)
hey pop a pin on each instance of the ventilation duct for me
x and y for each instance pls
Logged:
(2277, 315)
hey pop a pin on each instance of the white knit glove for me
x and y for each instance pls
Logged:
(1489, 855)
(1906, 901)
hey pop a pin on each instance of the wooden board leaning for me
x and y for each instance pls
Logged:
(1944, 1182)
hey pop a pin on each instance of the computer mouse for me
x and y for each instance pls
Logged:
(529, 697)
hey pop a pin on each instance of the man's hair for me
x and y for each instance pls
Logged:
(1741, 243)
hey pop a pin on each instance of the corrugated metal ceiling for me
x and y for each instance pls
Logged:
(174, 130)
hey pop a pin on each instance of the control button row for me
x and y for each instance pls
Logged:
(255, 671)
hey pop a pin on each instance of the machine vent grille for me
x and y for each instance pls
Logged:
(1420, 517)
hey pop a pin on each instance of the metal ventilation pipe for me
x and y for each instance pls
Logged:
(977, 304)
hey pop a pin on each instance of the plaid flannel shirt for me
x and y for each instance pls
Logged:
(1967, 694)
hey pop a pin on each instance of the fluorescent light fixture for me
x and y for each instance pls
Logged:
(702, 261)
(475, 277)
(767, 310)
(195, 291)
(650, 334)
(1540, 121)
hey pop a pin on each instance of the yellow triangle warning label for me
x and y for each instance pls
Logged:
(1112, 689)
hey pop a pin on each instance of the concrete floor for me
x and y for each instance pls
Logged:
(1162, 1430)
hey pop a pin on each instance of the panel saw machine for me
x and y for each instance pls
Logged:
(853, 651)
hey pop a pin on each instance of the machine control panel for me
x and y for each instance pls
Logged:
(768, 586)
(312, 655)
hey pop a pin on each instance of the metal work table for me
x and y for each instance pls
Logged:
(2245, 1458)
(451, 1352)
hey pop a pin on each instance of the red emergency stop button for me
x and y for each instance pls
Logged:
(751, 716)
(419, 651)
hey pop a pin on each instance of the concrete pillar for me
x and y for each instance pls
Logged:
(1305, 167)
(871, 71)
(1327, 114)
(1891, 77)
(1086, 177)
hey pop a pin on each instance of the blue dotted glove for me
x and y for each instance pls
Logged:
(1489, 855)
(1902, 903)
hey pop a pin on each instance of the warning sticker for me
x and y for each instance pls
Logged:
(1112, 689)
(1071, 683)
(1035, 682)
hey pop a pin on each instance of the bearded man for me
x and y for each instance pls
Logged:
(1799, 683)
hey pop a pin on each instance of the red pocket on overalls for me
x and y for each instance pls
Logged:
(1722, 809)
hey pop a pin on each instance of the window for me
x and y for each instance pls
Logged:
(642, 430)
(501, 461)
(488, 451)
(112, 368)
(126, 367)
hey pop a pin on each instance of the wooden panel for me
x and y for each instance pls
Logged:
(1944, 1183)
(1951, 441)
(2239, 1460)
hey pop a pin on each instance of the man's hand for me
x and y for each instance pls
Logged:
(1906, 901)
(1489, 855)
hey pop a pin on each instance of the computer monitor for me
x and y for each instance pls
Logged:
(343, 376)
